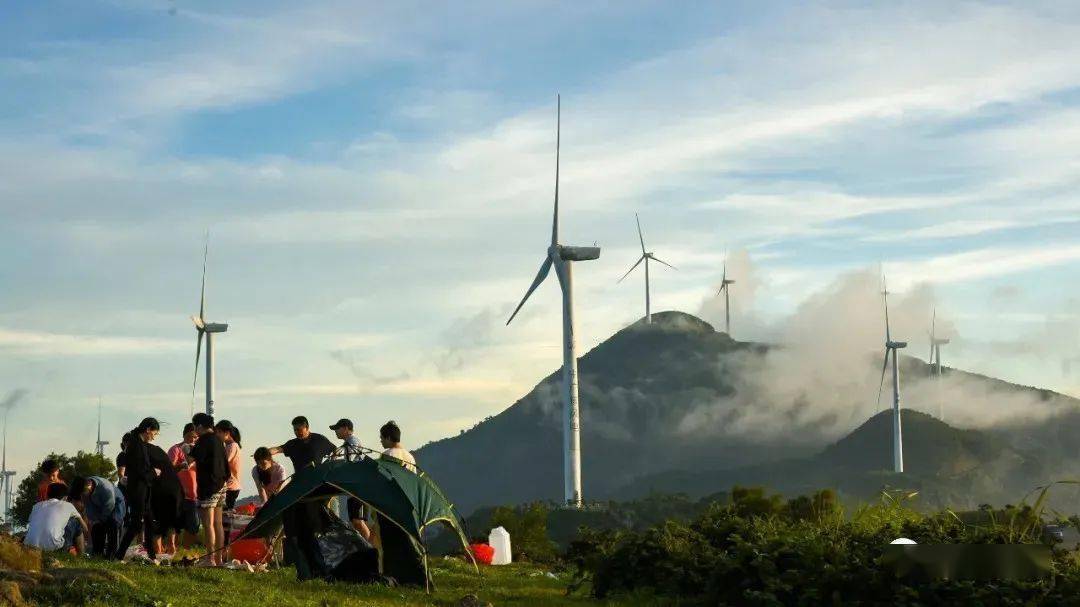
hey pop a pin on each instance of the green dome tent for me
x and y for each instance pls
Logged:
(406, 504)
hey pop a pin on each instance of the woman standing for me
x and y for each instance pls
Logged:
(230, 435)
(141, 475)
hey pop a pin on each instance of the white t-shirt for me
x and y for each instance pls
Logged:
(48, 520)
(407, 458)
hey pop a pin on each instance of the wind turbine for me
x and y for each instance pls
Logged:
(891, 347)
(725, 288)
(645, 256)
(8, 475)
(208, 329)
(935, 360)
(99, 446)
(562, 258)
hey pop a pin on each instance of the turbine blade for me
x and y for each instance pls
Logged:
(639, 234)
(881, 385)
(558, 131)
(202, 291)
(723, 285)
(885, 297)
(195, 380)
(658, 260)
(640, 259)
(540, 276)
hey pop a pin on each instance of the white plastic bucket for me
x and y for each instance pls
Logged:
(499, 539)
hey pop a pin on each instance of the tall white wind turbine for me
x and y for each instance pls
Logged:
(99, 446)
(891, 348)
(207, 329)
(725, 288)
(562, 258)
(7, 476)
(935, 361)
(645, 256)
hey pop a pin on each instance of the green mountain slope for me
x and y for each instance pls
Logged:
(640, 390)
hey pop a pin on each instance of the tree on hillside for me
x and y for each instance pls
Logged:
(82, 464)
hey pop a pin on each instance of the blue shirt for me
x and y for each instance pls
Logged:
(351, 451)
(105, 502)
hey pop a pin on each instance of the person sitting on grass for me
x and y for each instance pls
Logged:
(267, 474)
(104, 506)
(50, 471)
(55, 524)
(390, 435)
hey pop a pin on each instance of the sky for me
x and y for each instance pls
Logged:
(377, 181)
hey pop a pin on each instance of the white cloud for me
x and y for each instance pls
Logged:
(35, 343)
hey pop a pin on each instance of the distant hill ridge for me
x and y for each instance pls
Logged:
(640, 384)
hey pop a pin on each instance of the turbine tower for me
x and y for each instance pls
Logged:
(935, 361)
(891, 347)
(208, 329)
(562, 258)
(99, 446)
(7, 475)
(725, 288)
(645, 256)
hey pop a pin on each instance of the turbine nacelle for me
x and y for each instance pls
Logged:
(567, 253)
(895, 345)
(216, 327)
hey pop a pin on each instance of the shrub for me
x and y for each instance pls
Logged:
(527, 526)
(760, 551)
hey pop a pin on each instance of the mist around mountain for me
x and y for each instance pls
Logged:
(677, 407)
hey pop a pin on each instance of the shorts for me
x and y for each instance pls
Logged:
(230, 499)
(216, 500)
(72, 532)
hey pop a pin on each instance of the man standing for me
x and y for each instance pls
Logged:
(105, 509)
(390, 435)
(208, 455)
(303, 520)
(189, 507)
(55, 524)
(351, 451)
(50, 471)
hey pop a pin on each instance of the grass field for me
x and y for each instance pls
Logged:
(510, 585)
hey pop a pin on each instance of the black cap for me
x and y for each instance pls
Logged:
(342, 423)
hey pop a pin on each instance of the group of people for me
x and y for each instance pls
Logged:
(170, 496)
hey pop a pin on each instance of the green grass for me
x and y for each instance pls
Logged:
(518, 584)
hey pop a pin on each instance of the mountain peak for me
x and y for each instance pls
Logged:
(673, 320)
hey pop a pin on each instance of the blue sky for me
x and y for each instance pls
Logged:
(377, 180)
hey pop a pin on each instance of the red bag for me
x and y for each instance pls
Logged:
(482, 553)
(250, 550)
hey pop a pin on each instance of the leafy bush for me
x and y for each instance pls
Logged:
(527, 526)
(758, 550)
